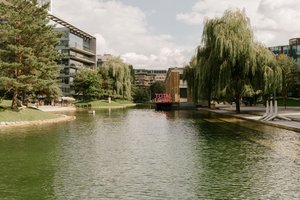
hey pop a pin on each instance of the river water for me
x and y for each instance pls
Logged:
(144, 154)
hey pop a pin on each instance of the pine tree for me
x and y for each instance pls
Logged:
(27, 51)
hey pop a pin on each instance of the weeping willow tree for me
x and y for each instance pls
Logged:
(189, 75)
(268, 76)
(234, 46)
(116, 77)
(201, 75)
(229, 64)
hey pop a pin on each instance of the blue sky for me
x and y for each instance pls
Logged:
(164, 33)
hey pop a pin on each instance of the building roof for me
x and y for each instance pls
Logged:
(72, 28)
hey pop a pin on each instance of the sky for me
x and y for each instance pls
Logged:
(158, 34)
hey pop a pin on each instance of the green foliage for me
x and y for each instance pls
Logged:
(28, 114)
(157, 87)
(293, 102)
(290, 75)
(117, 79)
(88, 84)
(229, 64)
(27, 51)
(141, 94)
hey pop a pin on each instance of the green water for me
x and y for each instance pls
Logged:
(144, 154)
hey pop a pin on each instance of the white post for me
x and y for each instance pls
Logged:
(267, 111)
(109, 100)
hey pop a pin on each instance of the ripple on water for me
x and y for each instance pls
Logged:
(143, 154)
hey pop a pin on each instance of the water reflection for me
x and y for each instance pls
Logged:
(144, 154)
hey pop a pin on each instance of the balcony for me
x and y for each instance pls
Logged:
(83, 51)
(84, 60)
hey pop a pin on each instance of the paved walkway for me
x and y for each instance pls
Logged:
(56, 108)
(254, 113)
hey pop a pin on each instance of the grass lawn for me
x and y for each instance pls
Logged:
(102, 103)
(5, 103)
(28, 114)
(293, 102)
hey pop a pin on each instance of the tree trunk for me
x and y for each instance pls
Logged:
(237, 103)
(209, 100)
(14, 103)
(209, 95)
(284, 99)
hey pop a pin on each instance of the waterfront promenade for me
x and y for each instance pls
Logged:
(254, 113)
(56, 108)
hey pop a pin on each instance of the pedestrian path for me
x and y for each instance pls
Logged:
(254, 113)
(56, 108)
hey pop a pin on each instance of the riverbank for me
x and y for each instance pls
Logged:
(254, 113)
(58, 119)
(104, 104)
(31, 116)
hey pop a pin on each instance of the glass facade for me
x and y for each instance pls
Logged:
(292, 50)
(78, 50)
(75, 41)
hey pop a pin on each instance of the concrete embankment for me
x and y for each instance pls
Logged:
(61, 118)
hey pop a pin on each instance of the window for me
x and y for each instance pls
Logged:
(183, 93)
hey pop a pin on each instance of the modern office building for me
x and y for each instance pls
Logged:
(78, 49)
(291, 50)
(176, 87)
(144, 77)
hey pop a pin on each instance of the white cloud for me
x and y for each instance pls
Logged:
(212, 8)
(165, 57)
(121, 30)
(273, 21)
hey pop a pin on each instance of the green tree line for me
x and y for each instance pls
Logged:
(113, 79)
(229, 64)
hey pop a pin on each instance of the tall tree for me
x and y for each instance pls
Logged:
(290, 73)
(232, 56)
(268, 75)
(118, 74)
(234, 46)
(27, 50)
(190, 75)
(88, 83)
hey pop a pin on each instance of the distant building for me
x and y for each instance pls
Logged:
(78, 49)
(101, 59)
(145, 77)
(291, 50)
(176, 87)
